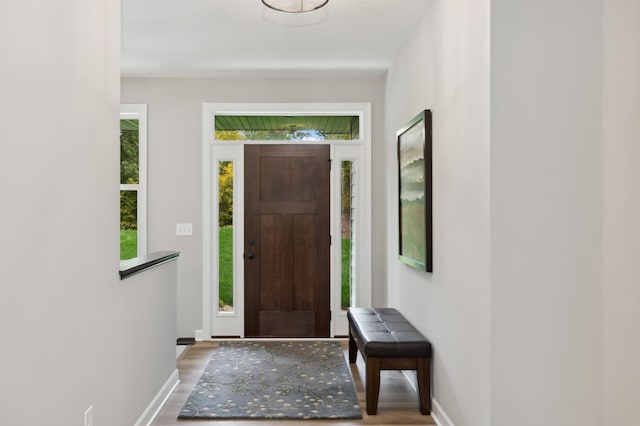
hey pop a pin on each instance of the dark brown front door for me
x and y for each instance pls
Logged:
(287, 241)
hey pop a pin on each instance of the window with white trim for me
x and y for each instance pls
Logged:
(133, 180)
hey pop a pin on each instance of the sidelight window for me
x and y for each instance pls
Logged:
(347, 232)
(225, 236)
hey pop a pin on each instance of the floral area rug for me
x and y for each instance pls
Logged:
(275, 380)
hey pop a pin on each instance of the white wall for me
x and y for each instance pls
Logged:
(444, 66)
(563, 207)
(621, 216)
(546, 329)
(175, 150)
(73, 334)
(146, 330)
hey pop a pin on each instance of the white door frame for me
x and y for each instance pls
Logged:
(232, 324)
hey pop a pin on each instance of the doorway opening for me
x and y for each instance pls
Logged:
(230, 131)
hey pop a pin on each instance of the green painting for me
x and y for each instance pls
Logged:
(415, 200)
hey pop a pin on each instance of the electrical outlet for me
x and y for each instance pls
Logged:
(88, 416)
(184, 229)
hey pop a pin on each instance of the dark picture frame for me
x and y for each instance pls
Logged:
(414, 193)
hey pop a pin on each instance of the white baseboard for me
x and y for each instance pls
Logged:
(438, 415)
(159, 400)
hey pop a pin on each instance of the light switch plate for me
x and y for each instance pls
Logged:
(184, 229)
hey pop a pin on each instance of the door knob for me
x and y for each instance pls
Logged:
(251, 256)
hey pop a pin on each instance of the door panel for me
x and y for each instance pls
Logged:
(305, 170)
(304, 261)
(287, 273)
(287, 324)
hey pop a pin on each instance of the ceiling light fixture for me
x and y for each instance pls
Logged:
(295, 6)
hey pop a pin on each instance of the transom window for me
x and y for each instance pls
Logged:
(287, 127)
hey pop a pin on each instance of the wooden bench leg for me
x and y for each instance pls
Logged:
(373, 385)
(353, 349)
(424, 385)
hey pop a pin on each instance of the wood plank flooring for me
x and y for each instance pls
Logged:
(397, 404)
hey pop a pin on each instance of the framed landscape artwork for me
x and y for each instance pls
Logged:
(414, 173)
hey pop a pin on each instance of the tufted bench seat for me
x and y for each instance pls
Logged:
(387, 341)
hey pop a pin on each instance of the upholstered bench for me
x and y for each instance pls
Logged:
(387, 341)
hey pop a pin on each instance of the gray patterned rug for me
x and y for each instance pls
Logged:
(275, 380)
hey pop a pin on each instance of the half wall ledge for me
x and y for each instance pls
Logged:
(139, 264)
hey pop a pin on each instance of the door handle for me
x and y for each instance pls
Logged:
(250, 255)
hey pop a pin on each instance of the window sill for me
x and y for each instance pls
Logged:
(139, 264)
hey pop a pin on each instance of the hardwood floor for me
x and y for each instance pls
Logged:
(397, 404)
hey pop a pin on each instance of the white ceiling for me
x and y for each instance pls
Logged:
(243, 38)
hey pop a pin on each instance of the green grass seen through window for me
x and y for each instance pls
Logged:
(346, 274)
(226, 267)
(128, 244)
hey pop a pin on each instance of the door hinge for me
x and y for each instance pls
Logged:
(330, 163)
(330, 240)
